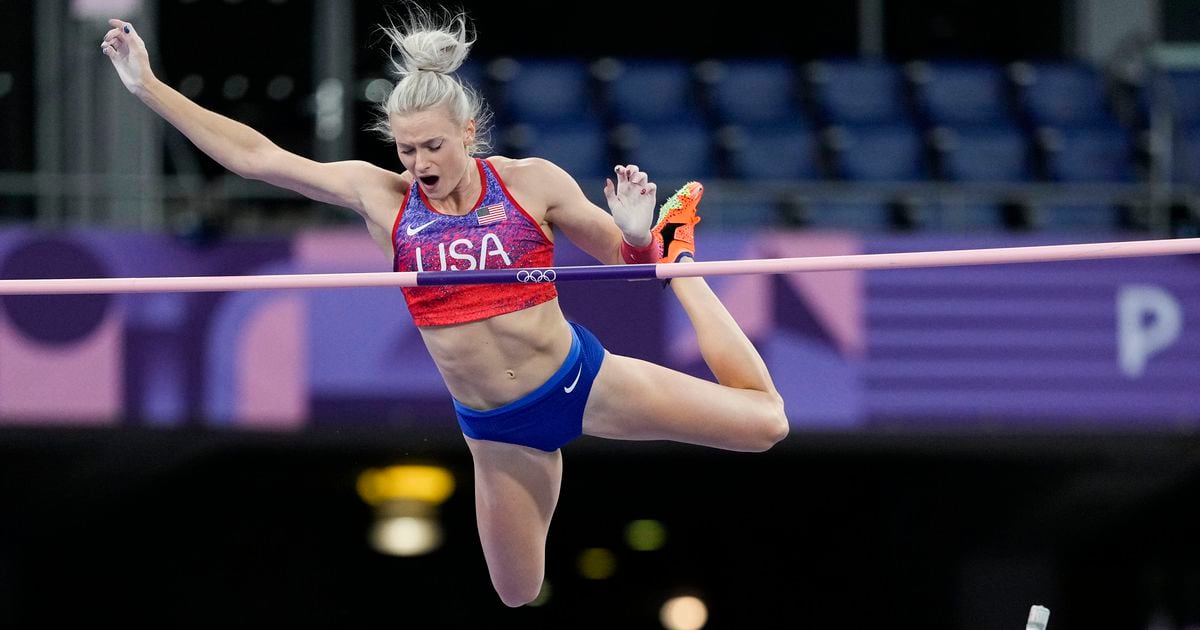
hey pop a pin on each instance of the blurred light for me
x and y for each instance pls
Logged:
(543, 595)
(235, 86)
(597, 563)
(280, 87)
(645, 535)
(376, 90)
(329, 109)
(430, 484)
(191, 85)
(6, 83)
(406, 535)
(503, 69)
(683, 613)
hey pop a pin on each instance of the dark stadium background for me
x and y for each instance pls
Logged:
(195, 527)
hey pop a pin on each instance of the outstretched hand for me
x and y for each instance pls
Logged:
(125, 48)
(632, 202)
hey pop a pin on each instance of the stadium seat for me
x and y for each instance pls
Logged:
(773, 151)
(1090, 154)
(964, 216)
(474, 74)
(731, 214)
(1186, 156)
(862, 216)
(670, 153)
(892, 152)
(845, 91)
(1180, 89)
(752, 91)
(989, 153)
(960, 93)
(580, 148)
(1077, 217)
(1068, 94)
(650, 91)
(543, 90)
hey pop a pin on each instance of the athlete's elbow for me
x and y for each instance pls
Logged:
(253, 156)
(250, 164)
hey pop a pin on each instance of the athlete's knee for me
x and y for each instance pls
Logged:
(772, 422)
(515, 596)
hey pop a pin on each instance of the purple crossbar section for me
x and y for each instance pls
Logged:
(555, 274)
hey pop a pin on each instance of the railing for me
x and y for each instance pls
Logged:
(241, 206)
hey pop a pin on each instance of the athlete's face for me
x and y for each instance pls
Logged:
(434, 149)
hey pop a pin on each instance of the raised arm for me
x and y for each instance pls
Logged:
(631, 201)
(239, 148)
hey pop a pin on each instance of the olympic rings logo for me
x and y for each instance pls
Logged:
(536, 275)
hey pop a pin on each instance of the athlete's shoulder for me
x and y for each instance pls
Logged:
(529, 174)
(382, 200)
(529, 167)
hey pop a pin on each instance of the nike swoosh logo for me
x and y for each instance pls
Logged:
(412, 231)
(575, 382)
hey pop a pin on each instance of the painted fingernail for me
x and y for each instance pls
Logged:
(126, 28)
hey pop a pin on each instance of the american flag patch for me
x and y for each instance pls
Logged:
(488, 215)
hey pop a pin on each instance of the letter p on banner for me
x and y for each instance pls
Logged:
(1149, 319)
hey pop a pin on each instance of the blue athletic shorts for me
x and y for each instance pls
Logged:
(551, 415)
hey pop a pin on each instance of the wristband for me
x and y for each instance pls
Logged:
(651, 253)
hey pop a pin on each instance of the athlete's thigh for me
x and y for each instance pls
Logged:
(516, 491)
(633, 399)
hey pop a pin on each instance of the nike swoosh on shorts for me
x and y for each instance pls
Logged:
(575, 382)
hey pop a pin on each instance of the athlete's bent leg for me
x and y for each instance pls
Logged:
(516, 491)
(634, 399)
(727, 351)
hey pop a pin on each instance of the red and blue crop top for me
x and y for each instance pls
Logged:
(497, 234)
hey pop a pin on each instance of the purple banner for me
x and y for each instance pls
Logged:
(1094, 344)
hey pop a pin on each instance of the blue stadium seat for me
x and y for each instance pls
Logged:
(846, 91)
(653, 91)
(740, 214)
(1077, 217)
(864, 216)
(580, 148)
(1185, 163)
(1061, 94)
(1181, 89)
(670, 153)
(965, 216)
(1087, 154)
(989, 153)
(774, 151)
(472, 73)
(891, 152)
(543, 90)
(958, 93)
(752, 91)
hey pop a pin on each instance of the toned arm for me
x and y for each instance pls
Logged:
(583, 222)
(569, 210)
(371, 191)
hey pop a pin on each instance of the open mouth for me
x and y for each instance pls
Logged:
(430, 180)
